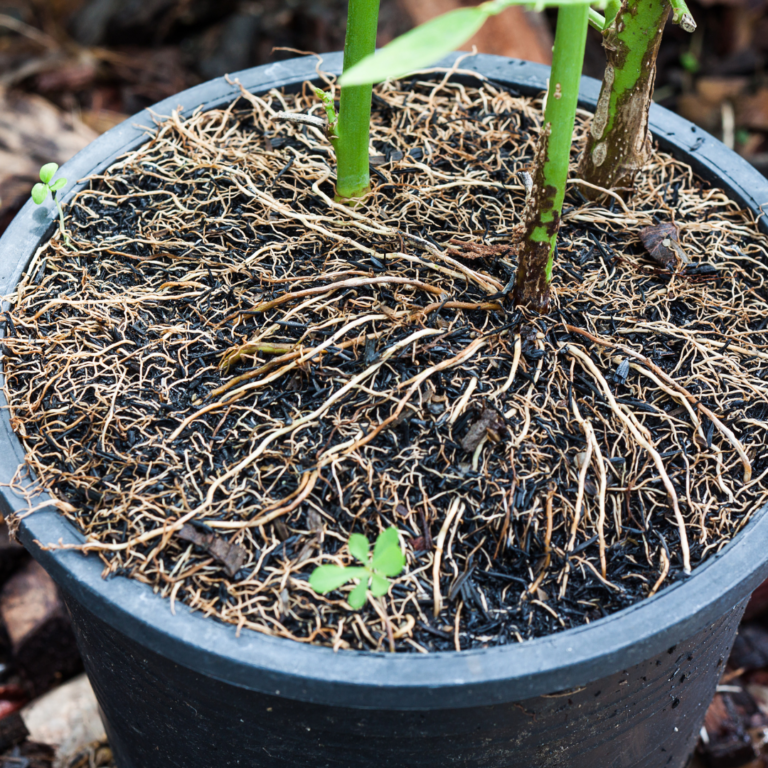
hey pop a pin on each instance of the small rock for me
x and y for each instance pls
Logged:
(67, 719)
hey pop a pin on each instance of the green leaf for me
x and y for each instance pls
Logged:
(358, 595)
(379, 585)
(418, 48)
(385, 540)
(326, 578)
(39, 193)
(359, 547)
(428, 43)
(388, 558)
(48, 171)
(391, 562)
(58, 184)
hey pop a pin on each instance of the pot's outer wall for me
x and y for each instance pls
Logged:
(159, 715)
(158, 660)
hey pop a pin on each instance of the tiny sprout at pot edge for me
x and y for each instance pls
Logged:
(387, 561)
(47, 186)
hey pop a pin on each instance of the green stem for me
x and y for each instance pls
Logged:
(542, 218)
(353, 175)
(682, 16)
(61, 219)
(618, 145)
(596, 20)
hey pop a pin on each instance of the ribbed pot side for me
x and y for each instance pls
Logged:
(160, 714)
(176, 689)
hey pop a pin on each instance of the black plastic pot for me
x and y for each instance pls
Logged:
(628, 691)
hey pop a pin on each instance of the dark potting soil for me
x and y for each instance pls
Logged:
(227, 373)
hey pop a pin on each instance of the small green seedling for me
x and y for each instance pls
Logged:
(47, 186)
(386, 562)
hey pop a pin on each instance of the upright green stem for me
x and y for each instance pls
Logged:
(542, 216)
(353, 176)
(61, 219)
(618, 145)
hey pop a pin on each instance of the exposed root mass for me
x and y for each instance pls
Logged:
(227, 348)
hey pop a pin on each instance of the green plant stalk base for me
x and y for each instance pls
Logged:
(545, 205)
(353, 175)
(618, 145)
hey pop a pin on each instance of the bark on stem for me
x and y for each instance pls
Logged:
(618, 144)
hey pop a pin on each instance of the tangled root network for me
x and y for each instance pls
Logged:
(226, 350)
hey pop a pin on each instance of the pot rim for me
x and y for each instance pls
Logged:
(362, 679)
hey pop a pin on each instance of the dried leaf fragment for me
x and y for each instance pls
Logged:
(662, 243)
(231, 556)
(479, 250)
(489, 424)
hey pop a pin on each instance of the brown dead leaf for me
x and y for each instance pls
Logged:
(281, 529)
(231, 556)
(102, 120)
(658, 241)
(699, 109)
(306, 551)
(314, 520)
(489, 423)
(70, 76)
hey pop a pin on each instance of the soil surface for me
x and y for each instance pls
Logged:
(223, 373)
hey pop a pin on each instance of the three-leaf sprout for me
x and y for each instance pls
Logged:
(48, 186)
(386, 562)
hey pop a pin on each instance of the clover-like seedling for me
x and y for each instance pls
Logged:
(48, 186)
(387, 560)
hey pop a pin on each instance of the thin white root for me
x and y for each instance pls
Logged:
(732, 439)
(515, 362)
(592, 447)
(636, 430)
(457, 506)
